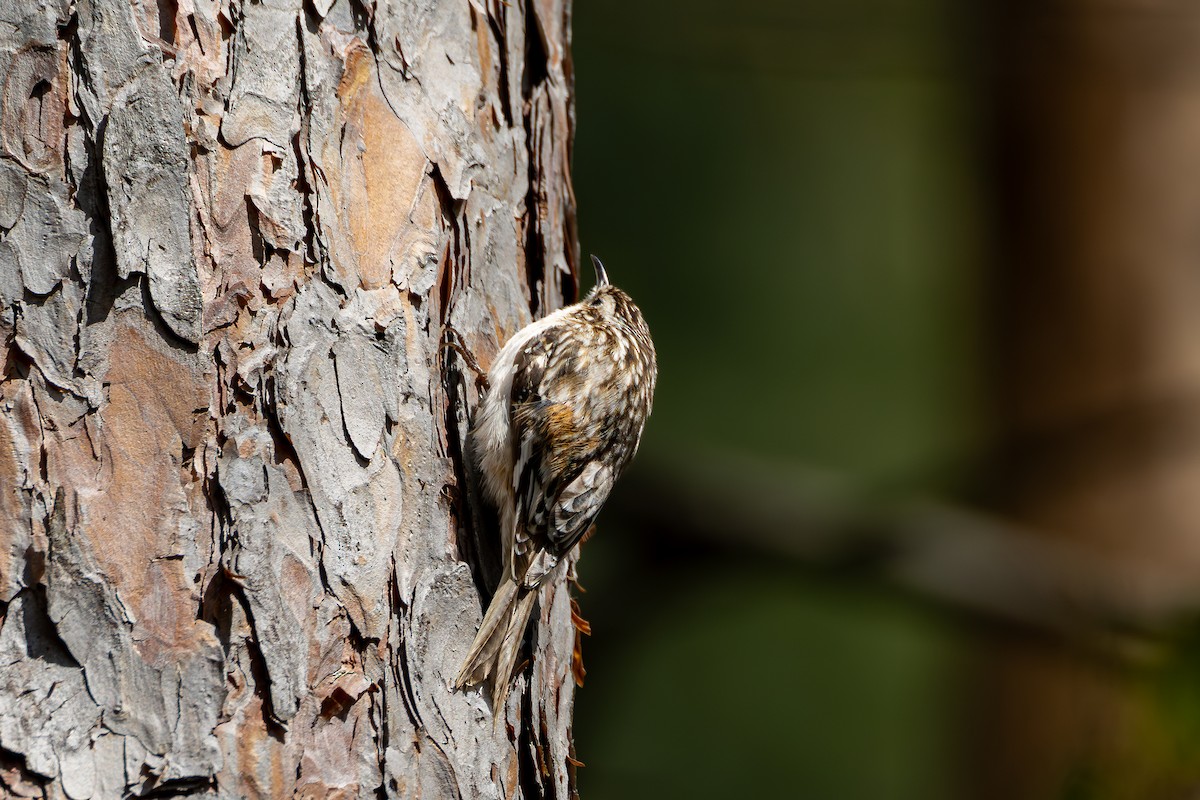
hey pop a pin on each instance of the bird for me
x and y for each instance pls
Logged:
(566, 403)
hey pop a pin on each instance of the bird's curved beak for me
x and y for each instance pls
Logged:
(601, 275)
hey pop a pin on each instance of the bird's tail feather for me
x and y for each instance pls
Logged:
(494, 652)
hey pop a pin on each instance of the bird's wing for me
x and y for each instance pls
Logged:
(578, 504)
(560, 478)
(530, 472)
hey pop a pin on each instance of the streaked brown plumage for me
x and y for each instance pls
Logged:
(563, 415)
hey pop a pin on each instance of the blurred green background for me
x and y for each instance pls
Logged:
(790, 191)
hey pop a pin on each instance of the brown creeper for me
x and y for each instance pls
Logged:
(567, 400)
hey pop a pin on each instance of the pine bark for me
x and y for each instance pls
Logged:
(236, 553)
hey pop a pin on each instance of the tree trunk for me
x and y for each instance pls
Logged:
(234, 240)
(1099, 148)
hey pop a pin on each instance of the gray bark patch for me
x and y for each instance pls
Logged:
(146, 171)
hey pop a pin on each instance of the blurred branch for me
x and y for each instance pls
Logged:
(957, 557)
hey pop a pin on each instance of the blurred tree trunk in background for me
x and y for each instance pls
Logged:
(1098, 278)
(232, 235)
